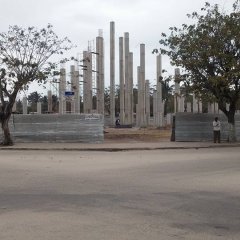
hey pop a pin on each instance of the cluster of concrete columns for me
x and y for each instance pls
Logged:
(84, 72)
(125, 80)
(126, 69)
(126, 85)
(85, 69)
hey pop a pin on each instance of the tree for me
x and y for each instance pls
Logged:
(24, 58)
(167, 95)
(209, 51)
(33, 98)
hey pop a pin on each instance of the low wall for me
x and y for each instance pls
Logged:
(198, 126)
(86, 128)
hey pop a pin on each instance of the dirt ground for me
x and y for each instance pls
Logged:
(136, 134)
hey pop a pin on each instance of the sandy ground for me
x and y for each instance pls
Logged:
(150, 195)
(136, 134)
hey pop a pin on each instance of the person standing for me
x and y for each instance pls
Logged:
(216, 130)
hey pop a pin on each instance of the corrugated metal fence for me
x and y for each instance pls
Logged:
(198, 126)
(87, 128)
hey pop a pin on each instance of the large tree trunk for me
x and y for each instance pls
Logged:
(6, 112)
(7, 140)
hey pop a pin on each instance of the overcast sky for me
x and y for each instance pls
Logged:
(80, 21)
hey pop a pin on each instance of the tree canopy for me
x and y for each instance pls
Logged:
(208, 50)
(25, 57)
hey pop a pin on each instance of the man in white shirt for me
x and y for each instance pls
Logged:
(216, 130)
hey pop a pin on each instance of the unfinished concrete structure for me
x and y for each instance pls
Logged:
(62, 89)
(87, 82)
(112, 73)
(158, 103)
(141, 88)
(121, 81)
(147, 102)
(100, 73)
(49, 101)
(75, 88)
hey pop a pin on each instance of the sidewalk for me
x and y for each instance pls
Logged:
(114, 147)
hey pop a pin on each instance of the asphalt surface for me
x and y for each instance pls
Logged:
(172, 194)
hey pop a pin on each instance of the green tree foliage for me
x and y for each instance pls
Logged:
(209, 51)
(167, 95)
(33, 98)
(24, 58)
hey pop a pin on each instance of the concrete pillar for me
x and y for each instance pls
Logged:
(181, 104)
(87, 82)
(169, 119)
(76, 89)
(39, 108)
(147, 102)
(139, 98)
(195, 104)
(199, 105)
(210, 108)
(50, 101)
(155, 107)
(100, 74)
(160, 109)
(227, 106)
(121, 80)
(189, 107)
(112, 73)
(24, 102)
(177, 90)
(216, 108)
(137, 115)
(126, 80)
(142, 86)
(130, 85)
(62, 89)
(72, 77)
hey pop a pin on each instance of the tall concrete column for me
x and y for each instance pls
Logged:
(112, 73)
(147, 102)
(24, 102)
(210, 108)
(177, 90)
(195, 104)
(126, 68)
(87, 82)
(216, 108)
(72, 73)
(76, 89)
(160, 112)
(121, 80)
(39, 108)
(138, 118)
(50, 101)
(130, 85)
(142, 86)
(189, 107)
(200, 105)
(100, 74)
(155, 107)
(181, 104)
(62, 89)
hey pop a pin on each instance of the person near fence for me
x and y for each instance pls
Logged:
(216, 130)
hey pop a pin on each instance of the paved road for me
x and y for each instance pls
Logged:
(161, 194)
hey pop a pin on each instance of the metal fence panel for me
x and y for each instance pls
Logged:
(57, 128)
(198, 126)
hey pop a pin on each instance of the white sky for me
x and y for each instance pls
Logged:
(80, 21)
